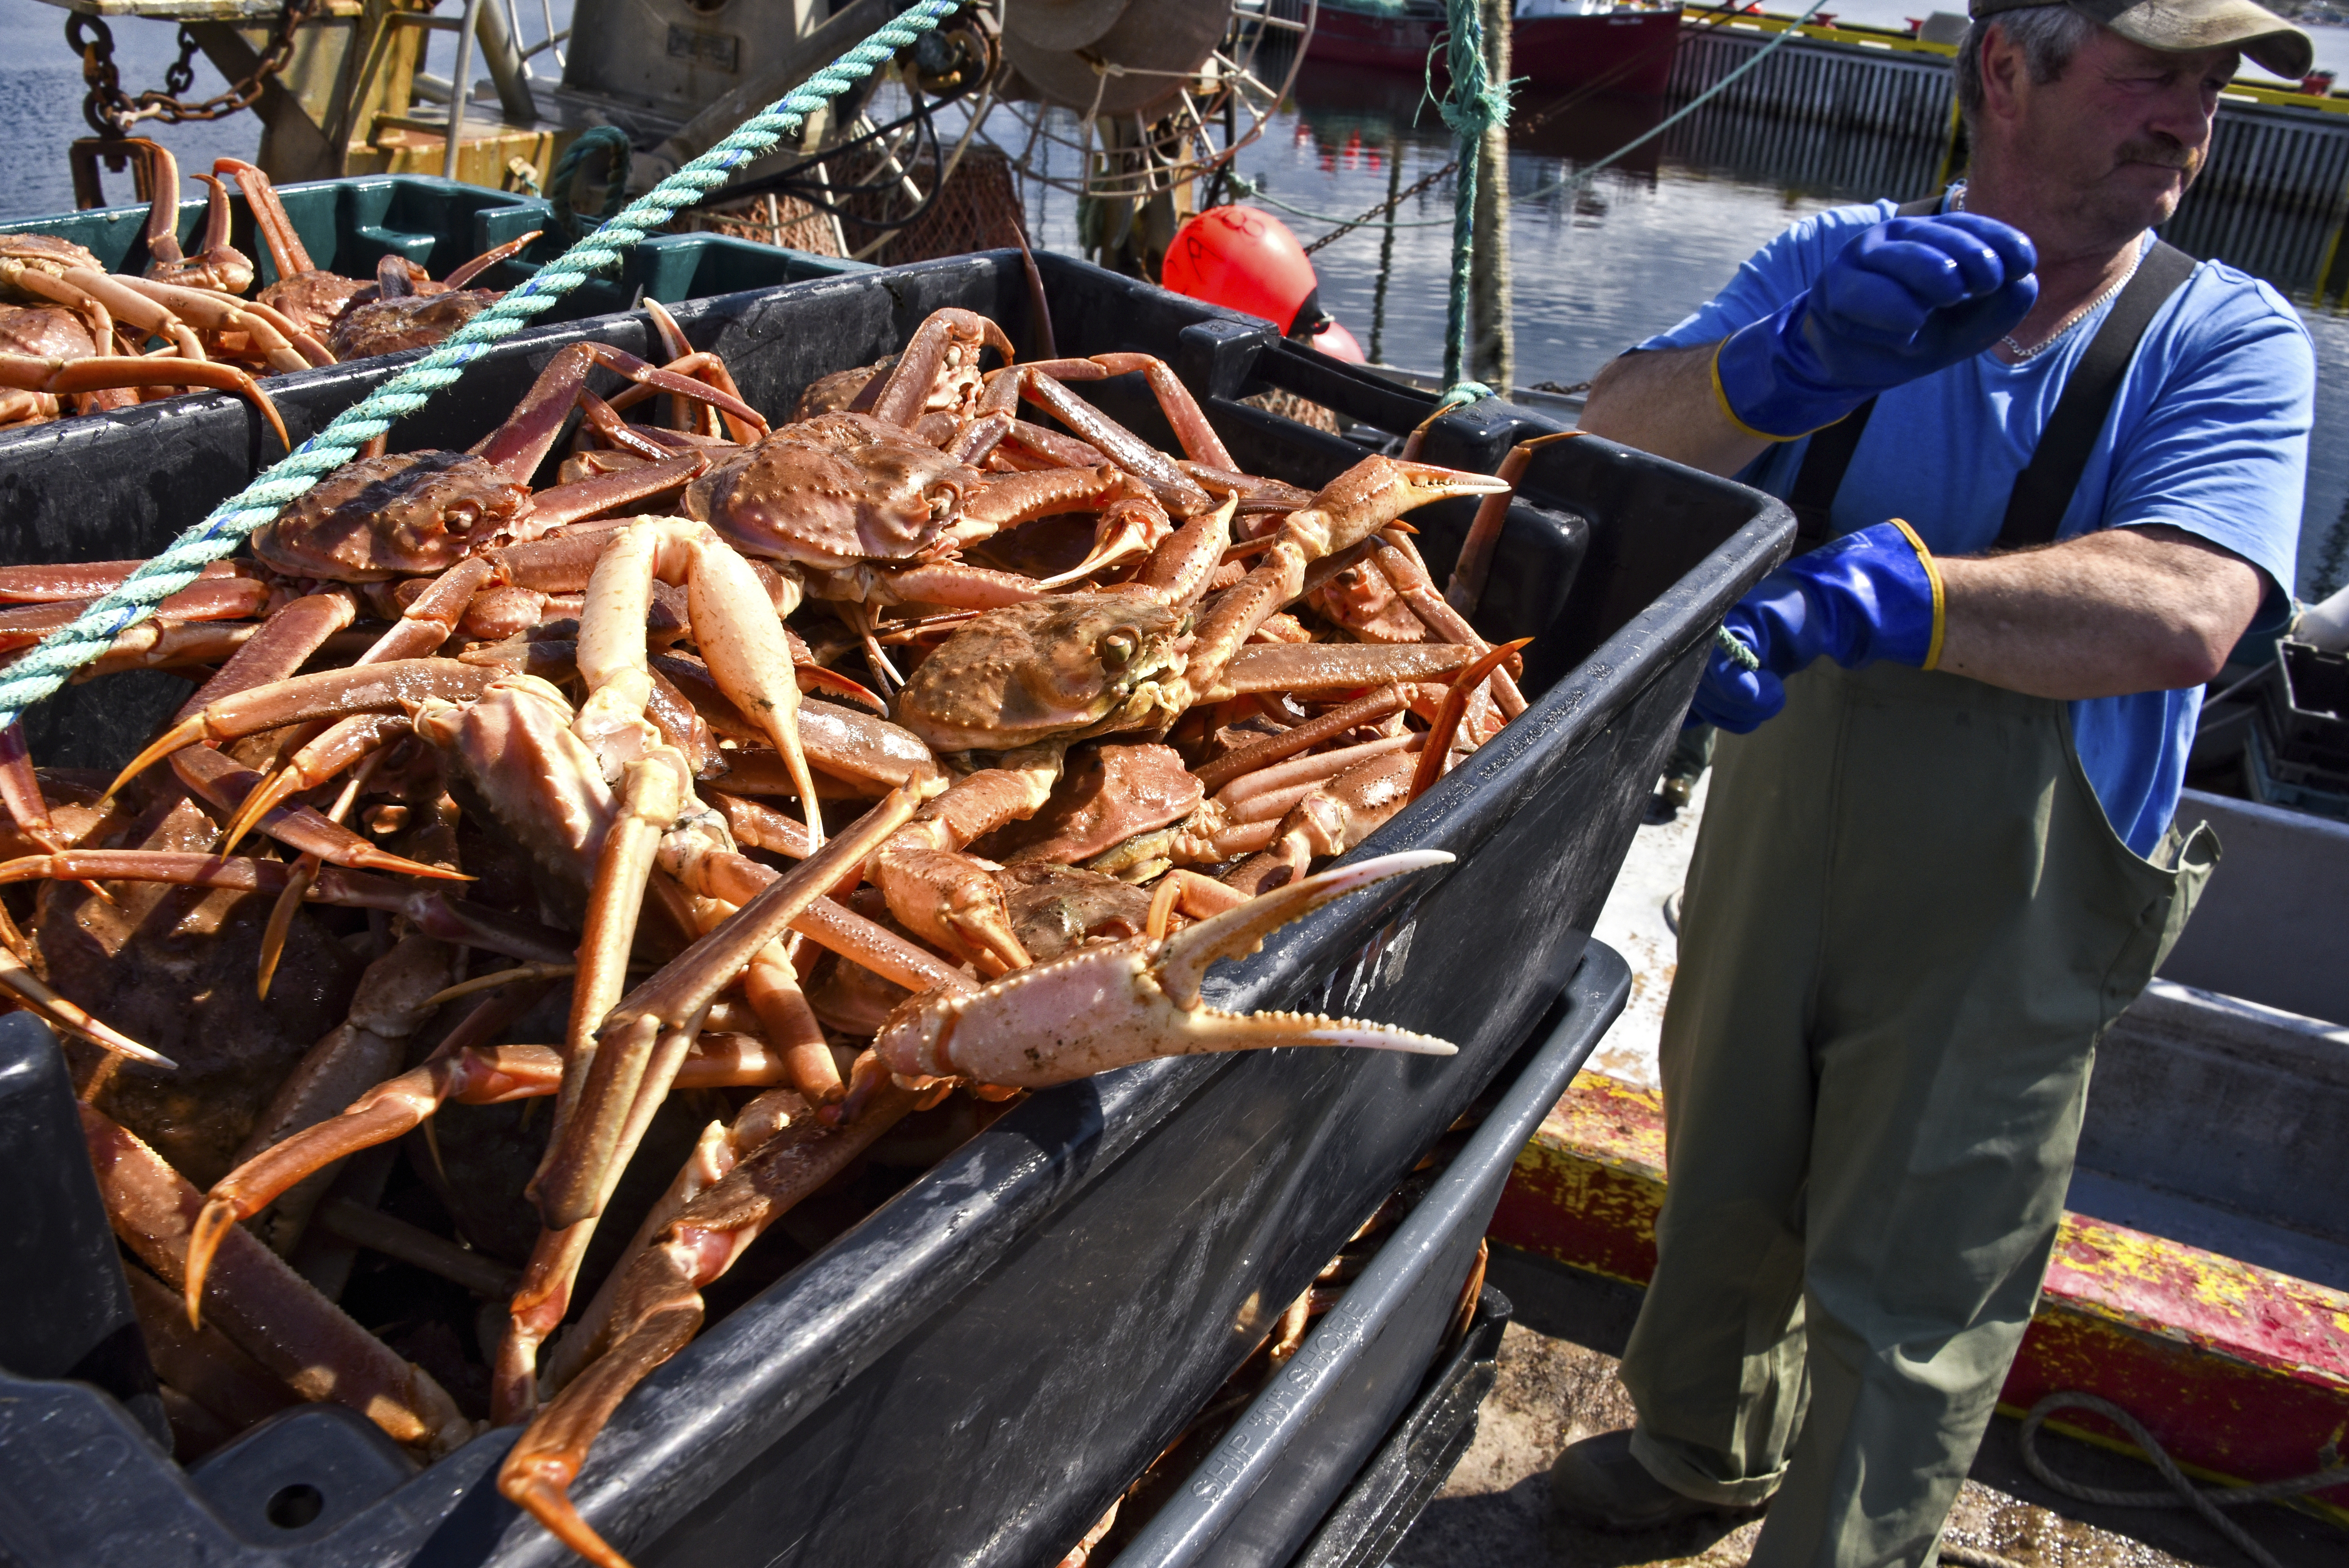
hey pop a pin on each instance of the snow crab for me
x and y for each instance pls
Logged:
(500, 792)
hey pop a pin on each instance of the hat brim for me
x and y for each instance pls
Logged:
(2238, 24)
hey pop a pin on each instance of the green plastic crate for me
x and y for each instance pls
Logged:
(349, 225)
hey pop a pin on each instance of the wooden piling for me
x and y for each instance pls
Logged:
(1492, 345)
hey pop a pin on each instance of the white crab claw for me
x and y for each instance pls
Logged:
(1114, 1005)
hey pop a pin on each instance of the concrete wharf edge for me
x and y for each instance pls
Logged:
(2240, 1372)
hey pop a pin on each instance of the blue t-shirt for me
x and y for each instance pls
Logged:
(2209, 433)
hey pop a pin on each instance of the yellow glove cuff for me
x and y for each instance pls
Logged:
(1941, 596)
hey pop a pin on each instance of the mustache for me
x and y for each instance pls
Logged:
(2164, 154)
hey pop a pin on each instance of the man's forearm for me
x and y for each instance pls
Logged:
(2120, 610)
(1662, 402)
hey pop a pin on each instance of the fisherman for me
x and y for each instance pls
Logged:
(2052, 469)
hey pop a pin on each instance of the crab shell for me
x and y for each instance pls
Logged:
(401, 515)
(45, 332)
(1058, 669)
(414, 321)
(834, 490)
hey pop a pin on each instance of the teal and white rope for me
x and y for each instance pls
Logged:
(1475, 104)
(58, 655)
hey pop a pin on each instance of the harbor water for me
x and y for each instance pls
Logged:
(1599, 262)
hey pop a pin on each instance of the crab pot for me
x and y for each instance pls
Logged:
(974, 1372)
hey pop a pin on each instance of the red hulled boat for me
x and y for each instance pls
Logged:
(1555, 43)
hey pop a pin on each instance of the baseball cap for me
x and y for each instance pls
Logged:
(2184, 24)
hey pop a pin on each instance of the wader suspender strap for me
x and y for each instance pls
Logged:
(2043, 489)
(2034, 509)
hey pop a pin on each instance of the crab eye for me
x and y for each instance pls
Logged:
(1117, 650)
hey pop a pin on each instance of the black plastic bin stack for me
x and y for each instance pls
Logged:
(975, 1371)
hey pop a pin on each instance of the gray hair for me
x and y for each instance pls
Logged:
(2048, 35)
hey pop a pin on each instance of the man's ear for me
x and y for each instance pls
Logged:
(2002, 72)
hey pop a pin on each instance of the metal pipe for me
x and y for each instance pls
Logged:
(460, 82)
(502, 55)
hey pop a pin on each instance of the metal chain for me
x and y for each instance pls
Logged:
(112, 113)
(1384, 208)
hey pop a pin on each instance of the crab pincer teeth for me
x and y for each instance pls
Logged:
(1111, 1007)
(1450, 481)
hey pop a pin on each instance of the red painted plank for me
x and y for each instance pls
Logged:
(2240, 1371)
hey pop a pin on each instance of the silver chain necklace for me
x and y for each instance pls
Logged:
(1958, 204)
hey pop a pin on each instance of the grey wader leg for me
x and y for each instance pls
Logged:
(1908, 923)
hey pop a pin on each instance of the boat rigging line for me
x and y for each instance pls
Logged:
(1252, 191)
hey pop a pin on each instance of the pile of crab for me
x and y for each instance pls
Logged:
(487, 795)
(75, 336)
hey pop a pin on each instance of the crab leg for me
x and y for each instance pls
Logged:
(1347, 510)
(34, 992)
(946, 898)
(466, 272)
(477, 1075)
(268, 1310)
(285, 642)
(740, 636)
(219, 312)
(203, 1362)
(1467, 688)
(1330, 819)
(1303, 667)
(1475, 563)
(1178, 491)
(471, 924)
(269, 216)
(394, 687)
(947, 341)
(522, 443)
(659, 1305)
(1273, 789)
(219, 267)
(735, 878)
(343, 745)
(62, 378)
(641, 1042)
(1052, 447)
(1381, 704)
(1200, 443)
(221, 780)
(299, 884)
(1123, 1003)
(20, 790)
(1411, 584)
(721, 1147)
(81, 580)
(394, 998)
(1333, 817)
(217, 598)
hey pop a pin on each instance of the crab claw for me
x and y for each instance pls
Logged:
(1372, 494)
(1114, 1005)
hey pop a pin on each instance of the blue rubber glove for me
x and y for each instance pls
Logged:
(1874, 594)
(1904, 299)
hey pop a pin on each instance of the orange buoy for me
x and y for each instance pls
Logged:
(1247, 261)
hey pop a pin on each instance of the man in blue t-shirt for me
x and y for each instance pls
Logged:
(2053, 469)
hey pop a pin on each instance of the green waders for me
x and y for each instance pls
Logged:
(1907, 924)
